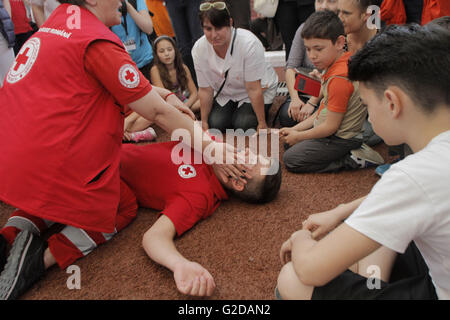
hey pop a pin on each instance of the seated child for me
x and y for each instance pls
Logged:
(395, 241)
(296, 108)
(136, 128)
(171, 73)
(405, 150)
(190, 193)
(324, 141)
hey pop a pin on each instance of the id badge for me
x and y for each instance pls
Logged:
(130, 45)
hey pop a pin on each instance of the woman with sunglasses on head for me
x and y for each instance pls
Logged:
(236, 85)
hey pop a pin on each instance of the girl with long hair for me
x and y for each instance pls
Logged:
(171, 73)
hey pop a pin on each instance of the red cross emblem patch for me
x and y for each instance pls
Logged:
(24, 60)
(128, 76)
(187, 171)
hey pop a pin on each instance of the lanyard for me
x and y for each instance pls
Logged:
(124, 24)
(226, 72)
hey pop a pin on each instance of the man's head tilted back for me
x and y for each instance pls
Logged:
(406, 66)
(264, 185)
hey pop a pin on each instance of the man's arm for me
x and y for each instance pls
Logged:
(190, 277)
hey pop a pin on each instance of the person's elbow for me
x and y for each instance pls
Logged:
(148, 28)
(145, 22)
(147, 239)
(330, 127)
(254, 90)
(151, 240)
(308, 272)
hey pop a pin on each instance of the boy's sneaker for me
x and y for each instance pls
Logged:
(366, 157)
(25, 265)
(148, 134)
(3, 247)
(380, 170)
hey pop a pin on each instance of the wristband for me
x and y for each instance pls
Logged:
(314, 105)
(169, 94)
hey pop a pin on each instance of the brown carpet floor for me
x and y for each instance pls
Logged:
(239, 244)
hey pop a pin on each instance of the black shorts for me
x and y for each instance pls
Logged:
(410, 280)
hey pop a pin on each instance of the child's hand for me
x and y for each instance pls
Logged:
(294, 109)
(321, 223)
(192, 279)
(305, 111)
(126, 136)
(316, 74)
(292, 137)
(285, 131)
(285, 252)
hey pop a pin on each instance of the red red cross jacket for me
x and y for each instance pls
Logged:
(61, 131)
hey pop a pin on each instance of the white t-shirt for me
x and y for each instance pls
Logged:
(246, 64)
(49, 6)
(411, 202)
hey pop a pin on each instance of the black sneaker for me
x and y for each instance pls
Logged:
(3, 246)
(25, 266)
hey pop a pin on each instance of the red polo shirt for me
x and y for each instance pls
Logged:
(185, 193)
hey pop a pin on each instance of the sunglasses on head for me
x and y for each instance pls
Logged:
(205, 6)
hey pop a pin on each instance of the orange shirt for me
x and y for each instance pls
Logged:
(161, 19)
(393, 12)
(433, 9)
(339, 90)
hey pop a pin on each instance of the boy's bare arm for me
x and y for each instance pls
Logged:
(325, 129)
(318, 262)
(323, 222)
(190, 277)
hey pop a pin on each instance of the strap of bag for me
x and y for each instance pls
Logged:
(226, 72)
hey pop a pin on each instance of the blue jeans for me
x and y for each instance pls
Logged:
(231, 117)
(283, 115)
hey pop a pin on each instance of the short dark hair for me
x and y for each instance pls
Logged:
(323, 25)
(411, 57)
(218, 18)
(442, 22)
(264, 191)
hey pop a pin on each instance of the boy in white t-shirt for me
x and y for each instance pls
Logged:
(393, 243)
